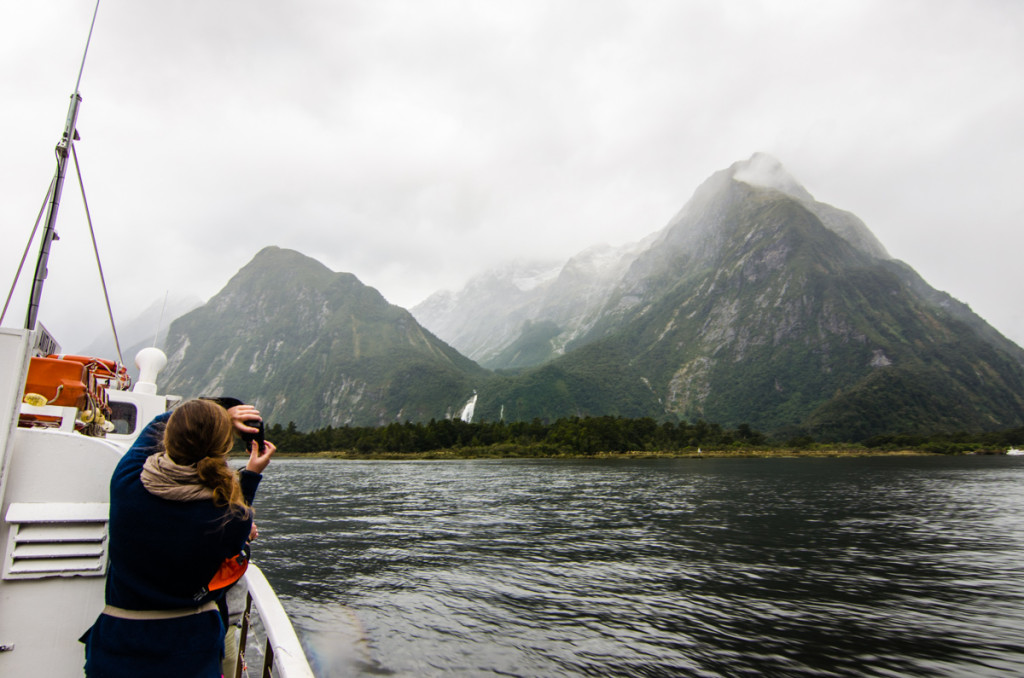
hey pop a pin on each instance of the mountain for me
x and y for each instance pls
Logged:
(525, 313)
(758, 305)
(314, 347)
(517, 317)
(473, 325)
(148, 328)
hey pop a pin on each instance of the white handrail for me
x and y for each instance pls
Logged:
(289, 659)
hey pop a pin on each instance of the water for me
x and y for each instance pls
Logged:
(787, 567)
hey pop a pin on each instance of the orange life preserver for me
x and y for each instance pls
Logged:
(230, 571)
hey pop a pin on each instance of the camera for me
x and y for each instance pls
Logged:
(247, 437)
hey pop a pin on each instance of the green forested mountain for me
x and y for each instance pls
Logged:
(758, 306)
(318, 348)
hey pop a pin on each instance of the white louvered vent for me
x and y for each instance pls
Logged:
(56, 540)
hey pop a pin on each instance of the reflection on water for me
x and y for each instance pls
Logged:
(799, 567)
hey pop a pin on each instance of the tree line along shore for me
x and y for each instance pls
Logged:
(608, 436)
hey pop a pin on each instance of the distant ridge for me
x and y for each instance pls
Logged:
(149, 328)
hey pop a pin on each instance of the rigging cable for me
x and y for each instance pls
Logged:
(159, 324)
(96, 249)
(28, 247)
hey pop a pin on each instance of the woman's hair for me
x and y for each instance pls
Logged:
(200, 432)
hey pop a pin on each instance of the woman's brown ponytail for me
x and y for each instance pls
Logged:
(200, 432)
(215, 474)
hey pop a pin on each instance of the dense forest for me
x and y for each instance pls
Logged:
(598, 435)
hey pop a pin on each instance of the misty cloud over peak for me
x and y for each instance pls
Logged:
(766, 171)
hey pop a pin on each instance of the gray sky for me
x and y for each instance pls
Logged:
(415, 143)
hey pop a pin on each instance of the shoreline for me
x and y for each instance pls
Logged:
(477, 453)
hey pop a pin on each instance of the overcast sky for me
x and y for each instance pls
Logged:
(415, 143)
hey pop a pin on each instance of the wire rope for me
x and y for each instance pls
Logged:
(28, 247)
(96, 249)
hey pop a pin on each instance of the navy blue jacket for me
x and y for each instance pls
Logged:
(162, 553)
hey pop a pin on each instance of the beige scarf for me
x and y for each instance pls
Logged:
(164, 478)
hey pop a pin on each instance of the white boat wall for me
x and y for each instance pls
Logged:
(54, 484)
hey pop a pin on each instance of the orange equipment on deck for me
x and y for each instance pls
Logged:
(102, 369)
(61, 382)
(73, 381)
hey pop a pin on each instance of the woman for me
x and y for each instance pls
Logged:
(177, 512)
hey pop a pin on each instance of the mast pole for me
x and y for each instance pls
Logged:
(50, 232)
(62, 152)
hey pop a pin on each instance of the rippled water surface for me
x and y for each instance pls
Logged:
(786, 567)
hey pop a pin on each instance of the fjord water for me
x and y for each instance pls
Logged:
(905, 566)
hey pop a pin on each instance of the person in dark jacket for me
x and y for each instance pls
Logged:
(177, 513)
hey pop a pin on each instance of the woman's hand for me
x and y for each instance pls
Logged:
(259, 460)
(241, 414)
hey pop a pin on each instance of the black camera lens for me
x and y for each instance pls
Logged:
(258, 436)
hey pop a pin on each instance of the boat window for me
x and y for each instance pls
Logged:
(123, 416)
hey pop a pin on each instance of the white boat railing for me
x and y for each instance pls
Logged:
(282, 655)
